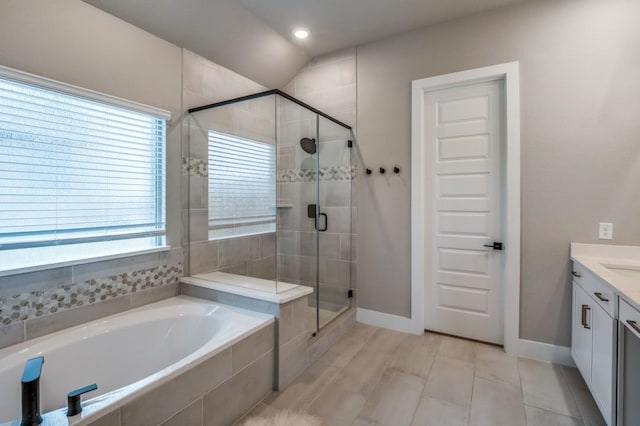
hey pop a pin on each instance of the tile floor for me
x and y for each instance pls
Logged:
(373, 376)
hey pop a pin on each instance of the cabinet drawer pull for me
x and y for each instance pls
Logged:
(601, 297)
(575, 274)
(585, 308)
(634, 325)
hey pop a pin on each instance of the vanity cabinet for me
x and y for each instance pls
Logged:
(593, 344)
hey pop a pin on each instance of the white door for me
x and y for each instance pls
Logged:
(463, 127)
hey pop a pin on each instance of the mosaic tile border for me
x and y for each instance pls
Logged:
(334, 173)
(195, 167)
(34, 304)
(198, 167)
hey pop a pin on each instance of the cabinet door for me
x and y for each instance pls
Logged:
(581, 342)
(603, 360)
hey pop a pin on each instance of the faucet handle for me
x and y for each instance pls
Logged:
(32, 369)
(74, 399)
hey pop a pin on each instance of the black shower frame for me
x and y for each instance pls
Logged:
(269, 93)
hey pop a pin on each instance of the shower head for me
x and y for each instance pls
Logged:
(308, 145)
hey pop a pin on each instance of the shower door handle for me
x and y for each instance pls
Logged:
(311, 214)
(326, 222)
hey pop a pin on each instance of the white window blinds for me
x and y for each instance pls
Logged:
(74, 170)
(242, 186)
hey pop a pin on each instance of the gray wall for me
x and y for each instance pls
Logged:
(580, 111)
(72, 42)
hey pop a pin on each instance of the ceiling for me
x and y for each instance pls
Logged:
(337, 24)
(253, 37)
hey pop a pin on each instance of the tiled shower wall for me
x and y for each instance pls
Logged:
(204, 83)
(329, 84)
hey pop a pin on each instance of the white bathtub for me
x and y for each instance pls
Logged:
(124, 354)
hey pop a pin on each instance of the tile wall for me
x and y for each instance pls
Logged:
(205, 83)
(37, 303)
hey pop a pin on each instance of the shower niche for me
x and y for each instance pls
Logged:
(270, 184)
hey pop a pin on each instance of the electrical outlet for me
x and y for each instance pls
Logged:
(605, 231)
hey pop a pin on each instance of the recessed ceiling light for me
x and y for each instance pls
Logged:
(301, 33)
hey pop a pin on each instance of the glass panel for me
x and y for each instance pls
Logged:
(297, 195)
(336, 263)
(232, 193)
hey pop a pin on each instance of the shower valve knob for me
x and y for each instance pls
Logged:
(382, 170)
(396, 170)
(368, 171)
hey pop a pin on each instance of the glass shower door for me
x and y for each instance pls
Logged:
(336, 269)
(297, 196)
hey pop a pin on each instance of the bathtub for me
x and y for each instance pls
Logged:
(125, 354)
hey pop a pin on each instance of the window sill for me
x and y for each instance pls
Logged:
(81, 261)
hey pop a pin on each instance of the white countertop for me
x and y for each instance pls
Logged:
(596, 258)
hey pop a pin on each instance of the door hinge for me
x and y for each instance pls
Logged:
(350, 294)
(349, 144)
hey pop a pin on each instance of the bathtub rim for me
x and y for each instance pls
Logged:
(97, 407)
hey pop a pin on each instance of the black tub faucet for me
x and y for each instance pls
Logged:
(31, 392)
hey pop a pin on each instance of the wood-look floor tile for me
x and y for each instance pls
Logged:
(385, 341)
(544, 386)
(337, 406)
(496, 404)
(305, 388)
(454, 347)
(589, 411)
(364, 371)
(433, 412)
(451, 380)
(492, 363)
(416, 354)
(540, 417)
(343, 351)
(395, 399)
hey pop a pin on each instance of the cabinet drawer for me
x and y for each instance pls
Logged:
(579, 272)
(630, 317)
(597, 289)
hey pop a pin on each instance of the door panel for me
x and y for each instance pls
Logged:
(463, 130)
(581, 335)
(602, 362)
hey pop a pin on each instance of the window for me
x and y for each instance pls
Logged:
(242, 186)
(78, 177)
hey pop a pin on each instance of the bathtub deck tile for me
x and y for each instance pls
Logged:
(190, 416)
(293, 359)
(229, 401)
(248, 350)
(111, 419)
(162, 403)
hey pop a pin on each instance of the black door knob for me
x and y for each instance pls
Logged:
(495, 245)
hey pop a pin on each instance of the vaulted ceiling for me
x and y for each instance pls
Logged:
(254, 37)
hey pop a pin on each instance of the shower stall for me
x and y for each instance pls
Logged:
(270, 184)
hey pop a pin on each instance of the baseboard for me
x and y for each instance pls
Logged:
(545, 352)
(392, 322)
